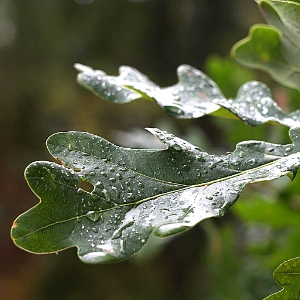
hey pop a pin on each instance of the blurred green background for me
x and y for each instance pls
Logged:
(40, 40)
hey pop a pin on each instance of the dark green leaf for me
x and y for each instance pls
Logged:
(287, 275)
(134, 192)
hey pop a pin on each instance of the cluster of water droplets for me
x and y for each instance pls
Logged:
(107, 228)
(100, 212)
(125, 205)
(192, 96)
(109, 87)
(186, 162)
(254, 105)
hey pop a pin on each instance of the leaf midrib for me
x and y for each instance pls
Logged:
(156, 196)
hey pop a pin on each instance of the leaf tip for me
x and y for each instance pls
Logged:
(14, 225)
(80, 67)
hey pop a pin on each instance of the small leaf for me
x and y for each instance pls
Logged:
(287, 275)
(136, 191)
(191, 97)
(274, 48)
(254, 106)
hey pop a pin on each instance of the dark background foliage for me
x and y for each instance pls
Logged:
(39, 43)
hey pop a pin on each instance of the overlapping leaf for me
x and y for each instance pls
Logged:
(274, 48)
(287, 275)
(135, 192)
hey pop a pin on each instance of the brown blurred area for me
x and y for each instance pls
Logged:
(40, 41)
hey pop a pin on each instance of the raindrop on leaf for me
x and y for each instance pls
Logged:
(177, 147)
(93, 216)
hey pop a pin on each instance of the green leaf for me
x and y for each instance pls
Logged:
(274, 48)
(287, 275)
(191, 97)
(134, 192)
(254, 106)
(194, 96)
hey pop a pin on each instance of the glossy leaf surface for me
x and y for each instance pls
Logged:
(194, 96)
(287, 275)
(134, 192)
(254, 105)
(274, 48)
(191, 97)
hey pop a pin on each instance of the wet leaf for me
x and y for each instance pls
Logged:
(191, 97)
(194, 96)
(254, 106)
(274, 48)
(287, 275)
(135, 192)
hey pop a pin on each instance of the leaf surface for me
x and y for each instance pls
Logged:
(195, 95)
(191, 97)
(254, 106)
(287, 275)
(135, 192)
(274, 48)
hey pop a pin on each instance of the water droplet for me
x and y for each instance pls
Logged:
(185, 168)
(130, 196)
(79, 191)
(201, 159)
(177, 147)
(212, 165)
(106, 194)
(119, 176)
(94, 229)
(288, 149)
(112, 180)
(99, 185)
(93, 215)
(141, 184)
(235, 163)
